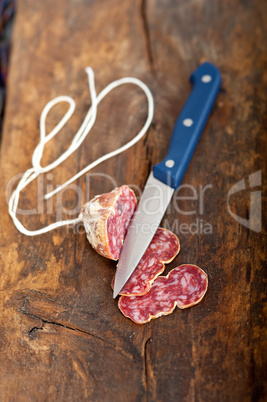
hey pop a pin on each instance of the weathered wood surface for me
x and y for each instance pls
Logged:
(62, 336)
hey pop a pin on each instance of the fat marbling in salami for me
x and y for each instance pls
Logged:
(106, 219)
(184, 287)
(162, 250)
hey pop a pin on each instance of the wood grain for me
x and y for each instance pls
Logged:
(62, 336)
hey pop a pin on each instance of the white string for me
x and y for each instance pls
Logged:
(81, 134)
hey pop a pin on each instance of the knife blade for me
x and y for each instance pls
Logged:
(167, 175)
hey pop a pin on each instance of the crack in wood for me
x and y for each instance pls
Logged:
(149, 382)
(146, 375)
(71, 328)
(147, 35)
(33, 331)
(21, 310)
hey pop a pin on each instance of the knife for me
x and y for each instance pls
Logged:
(167, 175)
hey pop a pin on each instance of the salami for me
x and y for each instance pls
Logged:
(162, 250)
(106, 219)
(184, 287)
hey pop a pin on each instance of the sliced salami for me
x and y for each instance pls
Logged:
(162, 250)
(106, 219)
(184, 287)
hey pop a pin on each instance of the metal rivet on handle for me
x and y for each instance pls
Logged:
(206, 78)
(187, 122)
(169, 163)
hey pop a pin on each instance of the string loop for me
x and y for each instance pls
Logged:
(89, 120)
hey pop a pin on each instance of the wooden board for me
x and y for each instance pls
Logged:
(62, 336)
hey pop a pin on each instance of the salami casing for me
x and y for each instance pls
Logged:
(162, 250)
(106, 219)
(184, 287)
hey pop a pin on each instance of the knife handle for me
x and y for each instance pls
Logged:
(206, 82)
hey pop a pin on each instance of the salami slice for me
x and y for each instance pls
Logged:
(184, 287)
(162, 250)
(106, 219)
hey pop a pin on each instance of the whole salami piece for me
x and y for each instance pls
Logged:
(184, 287)
(162, 250)
(106, 219)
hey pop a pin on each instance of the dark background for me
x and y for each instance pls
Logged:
(7, 8)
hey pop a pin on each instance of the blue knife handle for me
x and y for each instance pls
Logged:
(206, 82)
